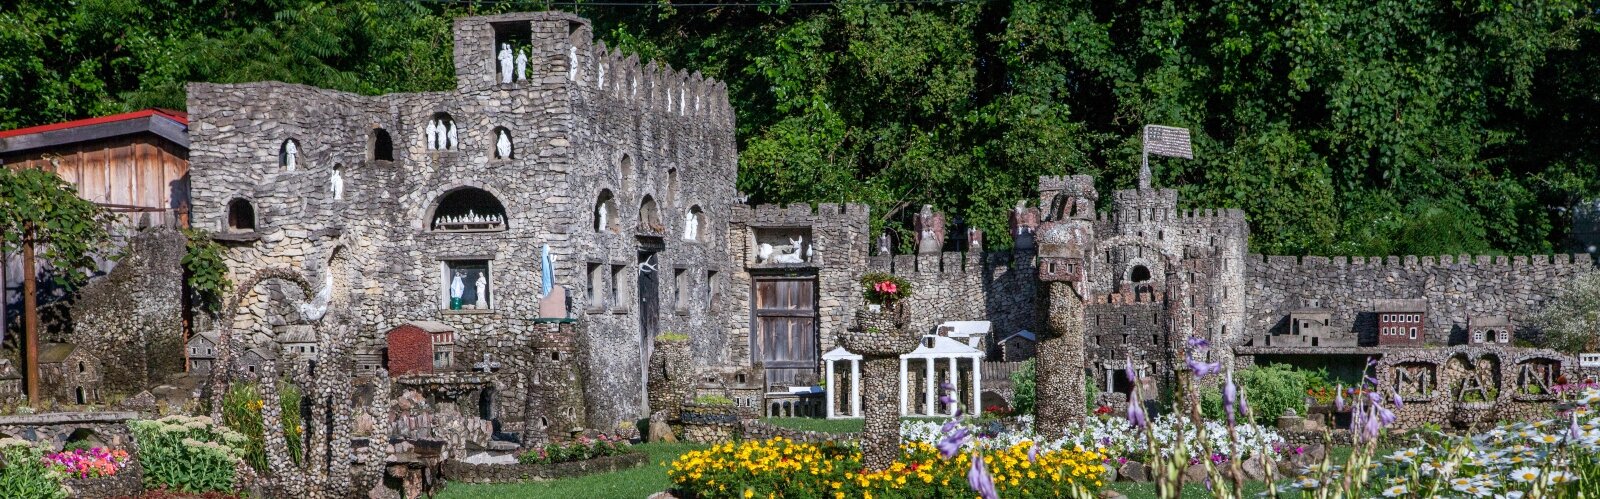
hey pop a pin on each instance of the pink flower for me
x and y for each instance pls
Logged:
(886, 287)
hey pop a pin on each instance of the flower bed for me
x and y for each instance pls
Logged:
(583, 448)
(523, 472)
(783, 468)
(1113, 437)
(97, 472)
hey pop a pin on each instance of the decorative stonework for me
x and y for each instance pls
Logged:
(880, 338)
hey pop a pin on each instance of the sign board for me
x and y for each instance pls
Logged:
(1167, 141)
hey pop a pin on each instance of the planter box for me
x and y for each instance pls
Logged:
(511, 473)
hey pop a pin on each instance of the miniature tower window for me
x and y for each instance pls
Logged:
(625, 167)
(713, 290)
(672, 187)
(597, 282)
(1140, 273)
(694, 224)
(466, 285)
(513, 43)
(649, 216)
(289, 155)
(468, 209)
(680, 290)
(440, 133)
(241, 216)
(618, 297)
(605, 212)
(379, 146)
(503, 147)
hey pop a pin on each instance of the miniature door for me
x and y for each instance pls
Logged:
(784, 323)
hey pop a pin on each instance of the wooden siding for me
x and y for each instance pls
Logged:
(144, 179)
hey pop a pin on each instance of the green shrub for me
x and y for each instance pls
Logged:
(1271, 388)
(672, 336)
(713, 400)
(241, 410)
(188, 454)
(578, 450)
(1023, 396)
(24, 473)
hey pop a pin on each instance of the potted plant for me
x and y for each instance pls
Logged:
(882, 288)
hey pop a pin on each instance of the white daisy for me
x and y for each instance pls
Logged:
(1558, 477)
(1394, 491)
(1525, 474)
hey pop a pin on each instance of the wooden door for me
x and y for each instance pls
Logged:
(784, 324)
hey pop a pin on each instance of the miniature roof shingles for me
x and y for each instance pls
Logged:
(1400, 305)
(55, 353)
(1489, 321)
(432, 326)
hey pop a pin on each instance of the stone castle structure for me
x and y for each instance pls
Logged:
(367, 230)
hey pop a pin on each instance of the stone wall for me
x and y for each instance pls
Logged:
(999, 287)
(1455, 288)
(132, 318)
(457, 471)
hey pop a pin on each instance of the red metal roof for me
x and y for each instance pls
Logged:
(178, 116)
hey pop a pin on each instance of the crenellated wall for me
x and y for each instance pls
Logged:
(1455, 287)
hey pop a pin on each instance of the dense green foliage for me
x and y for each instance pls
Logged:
(204, 269)
(242, 411)
(187, 454)
(1023, 393)
(1571, 321)
(1341, 127)
(23, 472)
(65, 229)
(1271, 389)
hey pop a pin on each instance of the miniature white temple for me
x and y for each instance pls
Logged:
(957, 345)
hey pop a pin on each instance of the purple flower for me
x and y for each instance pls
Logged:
(946, 400)
(946, 387)
(1202, 369)
(1198, 343)
(1127, 370)
(1033, 450)
(1386, 416)
(951, 444)
(978, 478)
(1338, 398)
(1136, 415)
(1398, 401)
(1573, 432)
(1230, 394)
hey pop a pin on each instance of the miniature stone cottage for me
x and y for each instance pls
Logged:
(69, 374)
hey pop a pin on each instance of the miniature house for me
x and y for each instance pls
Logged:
(1309, 327)
(1401, 322)
(69, 374)
(1018, 347)
(298, 342)
(421, 347)
(1494, 329)
(202, 351)
(251, 360)
(10, 382)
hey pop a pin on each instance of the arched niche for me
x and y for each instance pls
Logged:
(672, 187)
(467, 209)
(336, 181)
(379, 146)
(289, 153)
(650, 216)
(625, 168)
(440, 133)
(241, 215)
(605, 212)
(503, 146)
(694, 224)
(1139, 274)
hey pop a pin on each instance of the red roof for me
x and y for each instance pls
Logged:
(178, 116)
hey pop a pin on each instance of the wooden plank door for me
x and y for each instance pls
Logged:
(784, 322)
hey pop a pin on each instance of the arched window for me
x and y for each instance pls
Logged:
(440, 133)
(503, 148)
(1140, 274)
(605, 212)
(468, 209)
(625, 167)
(672, 187)
(289, 154)
(649, 216)
(379, 146)
(694, 222)
(241, 216)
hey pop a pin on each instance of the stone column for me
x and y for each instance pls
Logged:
(905, 383)
(1059, 382)
(879, 338)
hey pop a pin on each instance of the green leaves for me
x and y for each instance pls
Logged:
(38, 208)
(207, 272)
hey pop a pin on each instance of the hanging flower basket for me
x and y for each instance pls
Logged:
(881, 288)
(880, 334)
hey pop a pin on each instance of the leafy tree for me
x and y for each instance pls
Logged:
(1570, 322)
(39, 211)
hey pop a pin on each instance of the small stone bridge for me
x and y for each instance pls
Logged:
(109, 429)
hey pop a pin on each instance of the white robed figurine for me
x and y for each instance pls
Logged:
(505, 63)
(433, 134)
(483, 300)
(502, 145)
(602, 218)
(456, 290)
(691, 227)
(337, 183)
(291, 155)
(451, 134)
(522, 65)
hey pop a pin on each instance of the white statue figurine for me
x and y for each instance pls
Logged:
(602, 218)
(433, 134)
(502, 145)
(456, 290)
(792, 253)
(600, 76)
(483, 300)
(451, 134)
(291, 155)
(522, 65)
(688, 226)
(572, 63)
(337, 183)
(505, 63)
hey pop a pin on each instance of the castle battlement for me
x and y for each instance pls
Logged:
(1453, 262)
(798, 213)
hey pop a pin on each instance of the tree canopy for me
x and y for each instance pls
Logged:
(1359, 127)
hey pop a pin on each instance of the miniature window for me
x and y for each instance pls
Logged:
(465, 285)
(502, 144)
(596, 284)
(441, 132)
(289, 155)
(618, 298)
(693, 221)
(1505, 336)
(1477, 336)
(512, 43)
(605, 212)
(713, 290)
(379, 146)
(1140, 273)
(672, 187)
(680, 289)
(625, 168)
(241, 216)
(649, 216)
(1413, 333)
(468, 209)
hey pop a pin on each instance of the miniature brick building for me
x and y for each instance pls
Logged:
(1401, 322)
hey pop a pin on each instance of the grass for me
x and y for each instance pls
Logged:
(632, 483)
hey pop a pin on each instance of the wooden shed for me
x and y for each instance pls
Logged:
(133, 164)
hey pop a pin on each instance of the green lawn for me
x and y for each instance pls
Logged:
(636, 483)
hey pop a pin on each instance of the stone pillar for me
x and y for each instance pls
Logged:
(671, 380)
(879, 338)
(1059, 370)
(905, 383)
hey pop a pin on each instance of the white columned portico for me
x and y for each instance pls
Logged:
(927, 396)
(955, 388)
(977, 385)
(855, 388)
(833, 387)
(903, 383)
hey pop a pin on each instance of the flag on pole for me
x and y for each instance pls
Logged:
(1162, 141)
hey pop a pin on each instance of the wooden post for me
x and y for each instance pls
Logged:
(30, 321)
